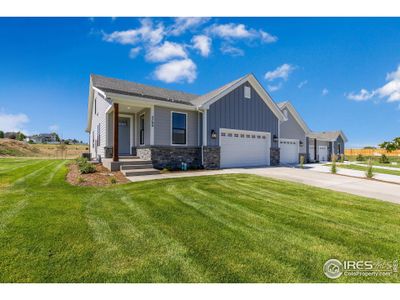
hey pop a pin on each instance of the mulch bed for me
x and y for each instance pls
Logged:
(102, 176)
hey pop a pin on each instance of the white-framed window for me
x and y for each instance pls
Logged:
(141, 129)
(178, 128)
(247, 92)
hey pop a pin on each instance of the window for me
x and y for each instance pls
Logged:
(98, 135)
(178, 128)
(95, 106)
(141, 128)
(247, 92)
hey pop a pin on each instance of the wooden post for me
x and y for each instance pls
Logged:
(115, 139)
(315, 149)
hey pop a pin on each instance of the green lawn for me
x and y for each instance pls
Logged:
(228, 228)
(378, 164)
(362, 168)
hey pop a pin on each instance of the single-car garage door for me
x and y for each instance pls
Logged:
(289, 152)
(244, 148)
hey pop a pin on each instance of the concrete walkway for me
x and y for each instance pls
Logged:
(357, 186)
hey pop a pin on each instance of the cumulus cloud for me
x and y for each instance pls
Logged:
(230, 50)
(282, 72)
(177, 71)
(301, 84)
(267, 37)
(325, 92)
(183, 24)
(390, 91)
(134, 52)
(165, 52)
(231, 30)
(147, 32)
(202, 43)
(13, 122)
(273, 88)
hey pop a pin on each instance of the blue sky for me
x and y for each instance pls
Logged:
(338, 73)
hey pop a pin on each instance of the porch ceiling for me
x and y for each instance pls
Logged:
(124, 108)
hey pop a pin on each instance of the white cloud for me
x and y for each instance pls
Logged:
(147, 32)
(134, 52)
(11, 122)
(301, 84)
(325, 92)
(267, 37)
(273, 88)
(230, 50)
(202, 43)
(231, 30)
(54, 128)
(166, 51)
(177, 71)
(363, 95)
(282, 71)
(183, 24)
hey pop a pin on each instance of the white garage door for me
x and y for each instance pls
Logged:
(289, 152)
(244, 148)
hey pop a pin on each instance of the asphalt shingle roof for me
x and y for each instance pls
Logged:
(125, 87)
(325, 135)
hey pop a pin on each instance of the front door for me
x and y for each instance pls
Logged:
(124, 136)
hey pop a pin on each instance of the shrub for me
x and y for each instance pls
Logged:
(81, 179)
(342, 158)
(87, 168)
(81, 161)
(383, 159)
(369, 173)
(1, 134)
(113, 180)
(333, 167)
(163, 171)
(360, 157)
(302, 161)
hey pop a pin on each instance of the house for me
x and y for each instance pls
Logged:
(296, 139)
(43, 138)
(236, 125)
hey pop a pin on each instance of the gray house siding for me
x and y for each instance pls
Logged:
(339, 141)
(290, 129)
(236, 112)
(162, 126)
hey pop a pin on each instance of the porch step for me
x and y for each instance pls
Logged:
(141, 172)
(145, 165)
(135, 162)
(125, 157)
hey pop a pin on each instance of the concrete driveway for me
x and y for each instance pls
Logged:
(357, 186)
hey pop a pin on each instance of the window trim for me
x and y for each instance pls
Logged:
(247, 88)
(186, 130)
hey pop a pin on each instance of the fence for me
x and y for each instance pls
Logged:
(371, 152)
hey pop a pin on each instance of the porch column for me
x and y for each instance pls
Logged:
(315, 149)
(152, 125)
(115, 129)
(205, 129)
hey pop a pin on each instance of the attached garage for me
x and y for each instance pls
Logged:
(241, 148)
(289, 151)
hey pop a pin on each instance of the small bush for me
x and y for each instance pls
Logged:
(87, 168)
(333, 167)
(302, 161)
(369, 173)
(163, 171)
(383, 159)
(342, 158)
(81, 179)
(81, 161)
(360, 157)
(113, 180)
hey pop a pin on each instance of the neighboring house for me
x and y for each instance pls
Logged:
(43, 138)
(235, 125)
(297, 139)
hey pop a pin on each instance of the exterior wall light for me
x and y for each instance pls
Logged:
(275, 138)
(301, 143)
(213, 134)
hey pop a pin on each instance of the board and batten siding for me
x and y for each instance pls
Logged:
(290, 129)
(98, 117)
(338, 141)
(163, 126)
(234, 111)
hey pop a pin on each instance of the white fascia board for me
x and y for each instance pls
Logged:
(296, 116)
(146, 102)
(259, 89)
(345, 139)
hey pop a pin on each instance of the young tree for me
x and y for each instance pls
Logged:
(1, 134)
(392, 145)
(20, 136)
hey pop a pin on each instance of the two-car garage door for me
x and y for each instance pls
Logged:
(241, 148)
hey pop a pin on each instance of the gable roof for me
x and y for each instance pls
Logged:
(295, 114)
(107, 84)
(327, 135)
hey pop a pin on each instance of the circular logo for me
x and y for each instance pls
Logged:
(333, 268)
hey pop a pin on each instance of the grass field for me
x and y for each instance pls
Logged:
(225, 228)
(362, 168)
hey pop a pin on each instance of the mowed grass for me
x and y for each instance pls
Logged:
(228, 228)
(375, 169)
